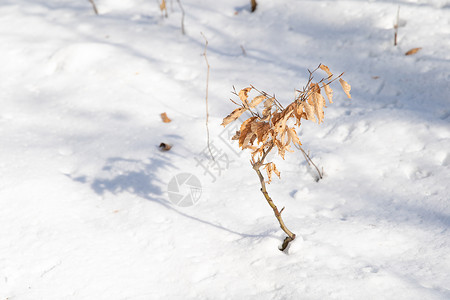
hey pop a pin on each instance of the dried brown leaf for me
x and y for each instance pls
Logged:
(298, 111)
(271, 168)
(247, 123)
(293, 136)
(290, 108)
(285, 144)
(266, 114)
(280, 124)
(346, 87)
(243, 95)
(248, 141)
(236, 136)
(165, 118)
(413, 51)
(257, 100)
(269, 102)
(162, 6)
(281, 148)
(315, 88)
(165, 147)
(319, 104)
(246, 129)
(233, 116)
(276, 116)
(327, 70)
(261, 129)
(309, 112)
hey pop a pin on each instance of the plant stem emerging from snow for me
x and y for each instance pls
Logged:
(257, 166)
(94, 6)
(396, 25)
(182, 22)
(310, 162)
(206, 98)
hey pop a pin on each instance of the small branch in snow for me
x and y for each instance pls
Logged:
(206, 98)
(396, 25)
(94, 6)
(310, 162)
(243, 51)
(182, 19)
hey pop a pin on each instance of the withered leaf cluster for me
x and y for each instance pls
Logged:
(268, 125)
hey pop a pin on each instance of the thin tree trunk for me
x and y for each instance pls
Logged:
(291, 236)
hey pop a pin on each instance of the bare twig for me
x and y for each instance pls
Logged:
(307, 91)
(234, 102)
(277, 103)
(243, 51)
(182, 22)
(396, 25)
(254, 114)
(94, 6)
(206, 97)
(310, 162)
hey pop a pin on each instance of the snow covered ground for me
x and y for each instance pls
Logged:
(85, 211)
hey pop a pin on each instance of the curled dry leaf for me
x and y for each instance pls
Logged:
(243, 95)
(266, 114)
(164, 147)
(246, 129)
(346, 87)
(315, 88)
(413, 51)
(319, 104)
(162, 6)
(257, 100)
(269, 102)
(236, 136)
(280, 124)
(233, 116)
(261, 129)
(327, 70)
(271, 168)
(298, 112)
(328, 92)
(165, 118)
(309, 112)
(293, 136)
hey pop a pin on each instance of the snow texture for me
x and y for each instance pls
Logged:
(85, 211)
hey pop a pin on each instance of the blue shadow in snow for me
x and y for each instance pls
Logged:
(139, 177)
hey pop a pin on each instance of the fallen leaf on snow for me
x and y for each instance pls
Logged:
(165, 118)
(413, 51)
(164, 147)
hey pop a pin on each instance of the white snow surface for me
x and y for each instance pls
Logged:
(85, 211)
